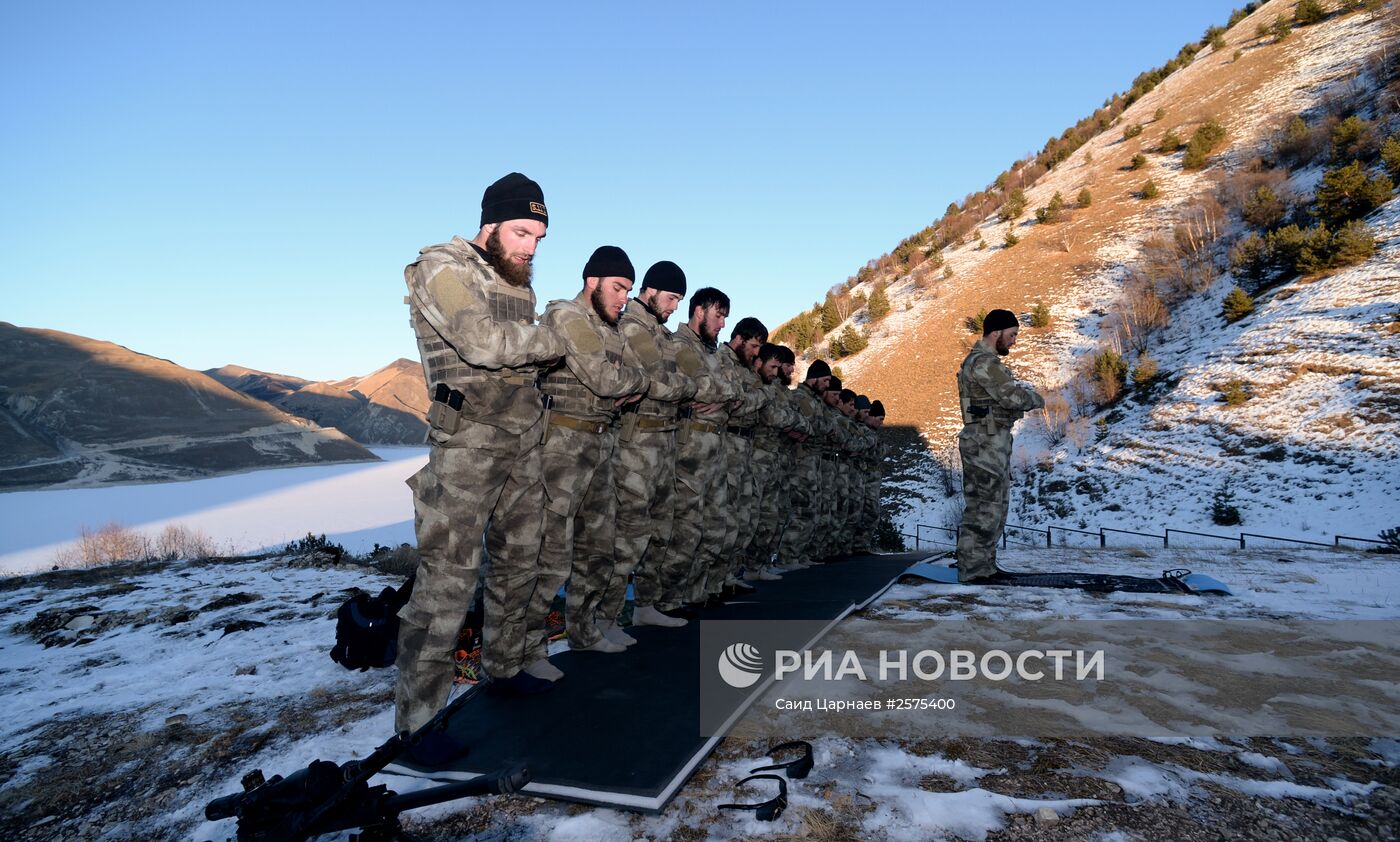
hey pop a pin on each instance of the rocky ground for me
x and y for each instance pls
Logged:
(139, 692)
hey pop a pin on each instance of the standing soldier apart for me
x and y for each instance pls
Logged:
(473, 312)
(992, 401)
(874, 466)
(584, 393)
(645, 465)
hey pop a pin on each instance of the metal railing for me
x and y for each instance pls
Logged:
(1103, 532)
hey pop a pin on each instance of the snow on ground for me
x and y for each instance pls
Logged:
(357, 505)
(159, 681)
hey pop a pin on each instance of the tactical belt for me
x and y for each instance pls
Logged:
(645, 423)
(743, 432)
(572, 423)
(701, 426)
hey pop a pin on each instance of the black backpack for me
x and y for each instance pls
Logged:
(367, 628)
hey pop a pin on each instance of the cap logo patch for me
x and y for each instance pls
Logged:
(538, 207)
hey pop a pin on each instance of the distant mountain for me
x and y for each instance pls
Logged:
(388, 406)
(262, 385)
(79, 411)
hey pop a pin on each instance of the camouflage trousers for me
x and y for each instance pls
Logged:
(845, 507)
(697, 486)
(768, 476)
(732, 525)
(796, 543)
(869, 516)
(986, 465)
(578, 545)
(644, 472)
(480, 475)
(824, 534)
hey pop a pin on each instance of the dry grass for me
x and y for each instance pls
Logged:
(116, 543)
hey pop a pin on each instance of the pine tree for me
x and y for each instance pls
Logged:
(831, 316)
(879, 304)
(1237, 305)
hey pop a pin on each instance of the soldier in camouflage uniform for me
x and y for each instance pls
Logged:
(769, 469)
(992, 401)
(473, 312)
(735, 522)
(779, 510)
(645, 464)
(699, 480)
(867, 491)
(585, 391)
(846, 470)
(799, 538)
(833, 442)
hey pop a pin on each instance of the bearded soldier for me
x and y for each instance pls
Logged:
(584, 393)
(992, 401)
(799, 536)
(473, 312)
(645, 465)
(769, 468)
(699, 479)
(734, 524)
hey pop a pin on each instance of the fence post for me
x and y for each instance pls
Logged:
(1048, 545)
(917, 527)
(1166, 538)
(1103, 538)
(1241, 540)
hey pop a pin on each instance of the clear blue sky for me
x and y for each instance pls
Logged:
(244, 182)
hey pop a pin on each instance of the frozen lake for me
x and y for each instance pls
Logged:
(356, 504)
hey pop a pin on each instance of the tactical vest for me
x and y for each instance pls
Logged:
(977, 404)
(501, 397)
(651, 407)
(573, 398)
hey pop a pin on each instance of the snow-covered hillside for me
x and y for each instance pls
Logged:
(1312, 453)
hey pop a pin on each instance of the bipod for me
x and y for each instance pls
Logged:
(326, 797)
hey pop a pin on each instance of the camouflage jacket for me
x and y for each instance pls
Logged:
(597, 367)
(477, 334)
(988, 392)
(778, 415)
(815, 420)
(751, 394)
(698, 361)
(655, 349)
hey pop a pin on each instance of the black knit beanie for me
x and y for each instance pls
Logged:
(999, 320)
(609, 262)
(666, 277)
(862, 403)
(877, 409)
(513, 197)
(818, 369)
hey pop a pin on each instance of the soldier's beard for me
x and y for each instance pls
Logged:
(785, 379)
(599, 307)
(515, 274)
(706, 336)
(1002, 348)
